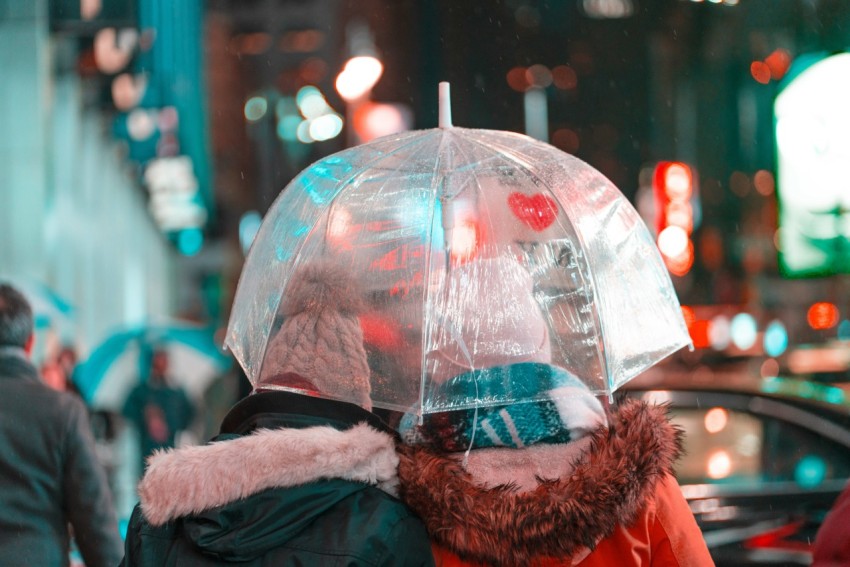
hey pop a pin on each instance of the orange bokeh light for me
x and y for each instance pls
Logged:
(822, 315)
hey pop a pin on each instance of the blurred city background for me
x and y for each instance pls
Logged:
(142, 141)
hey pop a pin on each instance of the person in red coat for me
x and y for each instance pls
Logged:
(553, 482)
(543, 474)
(832, 544)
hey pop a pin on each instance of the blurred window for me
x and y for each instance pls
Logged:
(724, 446)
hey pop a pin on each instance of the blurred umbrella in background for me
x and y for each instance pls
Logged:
(477, 249)
(123, 360)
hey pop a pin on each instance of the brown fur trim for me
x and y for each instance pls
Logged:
(610, 484)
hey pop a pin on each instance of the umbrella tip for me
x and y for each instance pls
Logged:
(445, 106)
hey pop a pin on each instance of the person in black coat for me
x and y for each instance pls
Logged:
(302, 472)
(49, 474)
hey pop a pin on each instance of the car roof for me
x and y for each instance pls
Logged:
(805, 394)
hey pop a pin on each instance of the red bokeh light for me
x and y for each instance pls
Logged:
(760, 72)
(699, 333)
(566, 139)
(778, 63)
(564, 77)
(822, 315)
(518, 79)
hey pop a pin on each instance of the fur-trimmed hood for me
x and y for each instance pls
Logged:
(604, 485)
(189, 480)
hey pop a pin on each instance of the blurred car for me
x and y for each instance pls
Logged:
(764, 462)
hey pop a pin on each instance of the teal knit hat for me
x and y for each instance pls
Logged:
(567, 412)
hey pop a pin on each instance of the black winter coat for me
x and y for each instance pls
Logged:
(49, 474)
(291, 480)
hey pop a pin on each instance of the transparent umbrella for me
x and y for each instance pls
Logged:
(476, 249)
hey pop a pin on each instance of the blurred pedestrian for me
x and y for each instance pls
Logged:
(558, 480)
(159, 410)
(49, 473)
(292, 479)
(67, 360)
(832, 543)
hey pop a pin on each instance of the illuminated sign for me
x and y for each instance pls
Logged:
(813, 166)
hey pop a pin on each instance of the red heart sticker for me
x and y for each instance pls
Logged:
(537, 211)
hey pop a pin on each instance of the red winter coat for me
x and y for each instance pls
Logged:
(832, 544)
(614, 503)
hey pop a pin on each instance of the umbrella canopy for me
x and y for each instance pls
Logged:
(123, 360)
(475, 249)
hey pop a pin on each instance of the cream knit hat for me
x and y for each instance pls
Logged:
(320, 339)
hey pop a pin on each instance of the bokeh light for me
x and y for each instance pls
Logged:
(127, 90)
(255, 108)
(769, 368)
(538, 76)
(716, 419)
(566, 139)
(778, 62)
(518, 79)
(325, 127)
(249, 225)
(358, 77)
(113, 49)
(140, 124)
(775, 338)
(719, 465)
(822, 315)
(677, 181)
(190, 241)
(744, 331)
(760, 72)
(673, 241)
(719, 332)
(810, 471)
(564, 77)
(764, 182)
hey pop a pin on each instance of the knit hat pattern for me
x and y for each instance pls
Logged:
(320, 339)
(556, 407)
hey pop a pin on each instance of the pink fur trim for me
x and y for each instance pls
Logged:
(191, 479)
(523, 468)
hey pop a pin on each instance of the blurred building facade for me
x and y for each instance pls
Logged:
(73, 218)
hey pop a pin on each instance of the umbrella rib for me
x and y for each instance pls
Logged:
(436, 177)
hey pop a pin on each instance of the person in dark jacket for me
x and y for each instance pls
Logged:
(291, 479)
(49, 474)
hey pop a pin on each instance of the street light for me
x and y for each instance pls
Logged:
(359, 75)
(357, 78)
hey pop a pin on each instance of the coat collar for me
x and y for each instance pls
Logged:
(189, 480)
(608, 485)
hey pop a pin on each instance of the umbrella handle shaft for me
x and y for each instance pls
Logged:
(445, 106)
